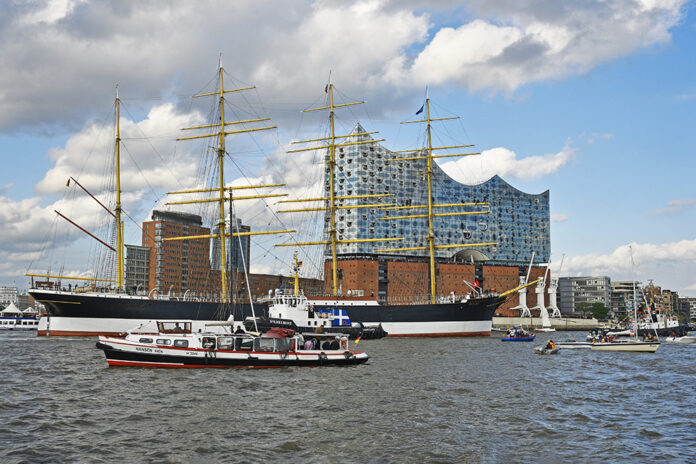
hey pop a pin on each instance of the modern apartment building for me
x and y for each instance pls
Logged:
(575, 290)
(137, 269)
(622, 296)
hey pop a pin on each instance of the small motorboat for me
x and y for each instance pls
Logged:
(686, 339)
(572, 344)
(175, 345)
(518, 334)
(545, 350)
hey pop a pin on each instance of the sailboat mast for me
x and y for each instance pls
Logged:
(431, 232)
(119, 223)
(297, 279)
(332, 193)
(221, 167)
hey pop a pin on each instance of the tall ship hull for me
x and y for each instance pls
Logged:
(461, 319)
(93, 314)
(73, 314)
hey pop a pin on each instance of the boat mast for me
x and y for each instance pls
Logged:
(635, 306)
(221, 190)
(119, 222)
(430, 216)
(297, 279)
(431, 233)
(331, 199)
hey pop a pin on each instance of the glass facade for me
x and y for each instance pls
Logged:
(518, 221)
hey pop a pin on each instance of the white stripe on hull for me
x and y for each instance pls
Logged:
(84, 326)
(445, 328)
(93, 326)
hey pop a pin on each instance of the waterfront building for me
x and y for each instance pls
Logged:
(178, 265)
(572, 291)
(622, 295)
(8, 295)
(687, 307)
(137, 278)
(518, 222)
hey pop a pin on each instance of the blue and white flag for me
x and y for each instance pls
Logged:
(340, 317)
(420, 110)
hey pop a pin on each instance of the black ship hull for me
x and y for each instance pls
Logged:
(74, 314)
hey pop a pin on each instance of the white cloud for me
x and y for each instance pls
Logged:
(534, 40)
(504, 162)
(674, 206)
(559, 217)
(672, 258)
(597, 136)
(150, 157)
(60, 56)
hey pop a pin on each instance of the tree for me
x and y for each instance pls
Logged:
(583, 308)
(599, 311)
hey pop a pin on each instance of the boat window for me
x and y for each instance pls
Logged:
(242, 343)
(263, 344)
(145, 340)
(208, 342)
(181, 343)
(225, 343)
(283, 344)
(174, 327)
(164, 341)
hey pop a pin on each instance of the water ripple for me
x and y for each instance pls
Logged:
(452, 400)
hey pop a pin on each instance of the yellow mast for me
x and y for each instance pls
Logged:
(431, 215)
(119, 223)
(332, 193)
(431, 233)
(221, 189)
(221, 167)
(297, 279)
(331, 199)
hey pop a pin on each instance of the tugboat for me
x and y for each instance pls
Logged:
(292, 310)
(174, 345)
(518, 334)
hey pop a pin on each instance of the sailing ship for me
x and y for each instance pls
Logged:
(115, 312)
(90, 312)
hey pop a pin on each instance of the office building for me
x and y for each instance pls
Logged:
(178, 265)
(572, 291)
(137, 278)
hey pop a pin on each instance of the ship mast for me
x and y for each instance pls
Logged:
(119, 222)
(331, 199)
(221, 190)
(428, 156)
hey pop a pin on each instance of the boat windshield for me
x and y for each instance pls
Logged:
(174, 327)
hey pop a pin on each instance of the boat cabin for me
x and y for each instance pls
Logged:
(174, 327)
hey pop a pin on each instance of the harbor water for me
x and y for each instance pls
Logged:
(417, 400)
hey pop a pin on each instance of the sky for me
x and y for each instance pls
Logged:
(593, 100)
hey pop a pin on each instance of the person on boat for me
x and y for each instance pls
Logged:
(240, 330)
(334, 344)
(550, 345)
(308, 344)
(178, 328)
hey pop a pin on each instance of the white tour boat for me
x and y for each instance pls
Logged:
(174, 344)
(11, 318)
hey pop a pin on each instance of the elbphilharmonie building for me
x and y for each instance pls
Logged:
(518, 222)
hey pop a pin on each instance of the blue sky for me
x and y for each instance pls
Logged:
(592, 100)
